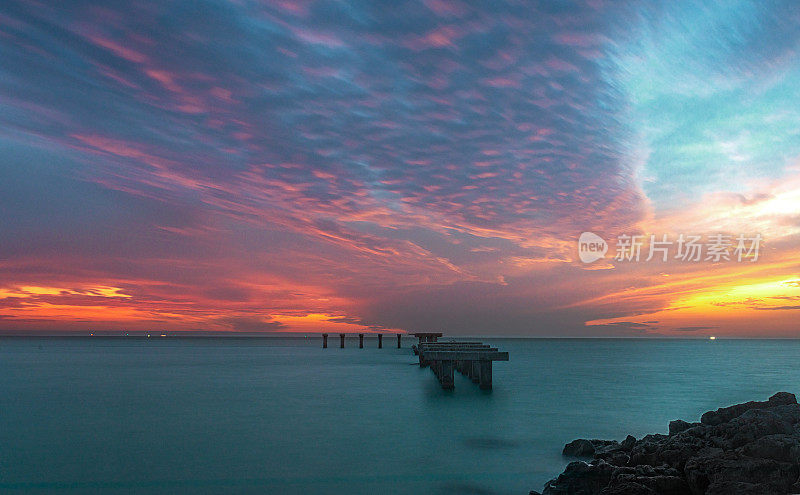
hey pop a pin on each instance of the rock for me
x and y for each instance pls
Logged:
(628, 443)
(709, 473)
(751, 448)
(580, 478)
(627, 488)
(655, 482)
(777, 447)
(579, 448)
(606, 446)
(741, 488)
(725, 414)
(616, 458)
(679, 425)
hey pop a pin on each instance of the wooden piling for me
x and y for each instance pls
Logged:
(341, 341)
(446, 374)
(398, 340)
(380, 341)
(361, 341)
(486, 375)
(324, 340)
(475, 371)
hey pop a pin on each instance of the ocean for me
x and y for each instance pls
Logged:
(274, 415)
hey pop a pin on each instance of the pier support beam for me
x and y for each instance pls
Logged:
(324, 340)
(475, 371)
(486, 375)
(446, 375)
(380, 341)
(361, 341)
(398, 340)
(341, 340)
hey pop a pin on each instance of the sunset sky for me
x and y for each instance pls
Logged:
(306, 166)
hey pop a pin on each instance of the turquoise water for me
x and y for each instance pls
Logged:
(200, 416)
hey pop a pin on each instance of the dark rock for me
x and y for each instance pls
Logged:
(580, 478)
(751, 448)
(679, 425)
(579, 448)
(659, 480)
(709, 472)
(777, 447)
(672, 451)
(725, 414)
(741, 488)
(616, 457)
(627, 488)
(606, 446)
(628, 443)
(610, 451)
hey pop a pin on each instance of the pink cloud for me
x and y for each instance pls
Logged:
(120, 50)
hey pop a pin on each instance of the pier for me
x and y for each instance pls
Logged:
(473, 359)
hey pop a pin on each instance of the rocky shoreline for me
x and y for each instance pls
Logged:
(745, 449)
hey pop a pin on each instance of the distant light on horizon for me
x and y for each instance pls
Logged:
(712, 338)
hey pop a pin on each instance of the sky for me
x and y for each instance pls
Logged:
(384, 166)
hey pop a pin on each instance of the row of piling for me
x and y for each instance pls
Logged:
(360, 340)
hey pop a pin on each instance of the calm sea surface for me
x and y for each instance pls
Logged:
(168, 415)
